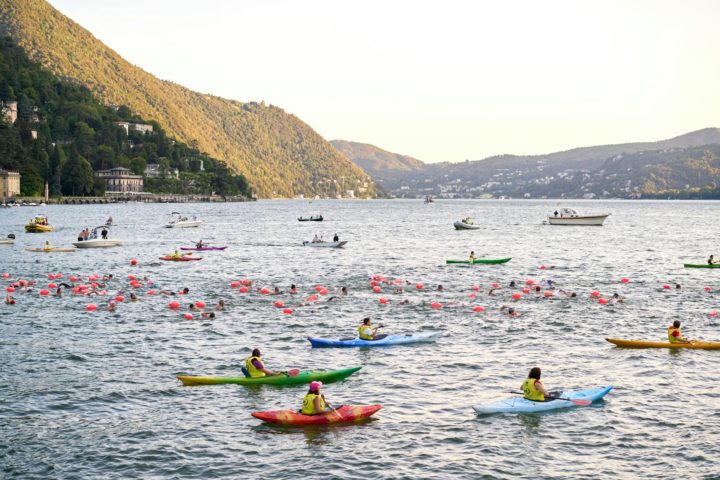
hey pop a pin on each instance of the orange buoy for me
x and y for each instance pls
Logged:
(243, 289)
(133, 262)
(419, 286)
(436, 305)
(548, 294)
(10, 289)
(376, 289)
(44, 293)
(235, 284)
(516, 296)
(624, 280)
(91, 307)
(476, 287)
(478, 309)
(288, 311)
(200, 304)
(188, 316)
(602, 301)
(174, 305)
(594, 294)
(279, 303)
(383, 301)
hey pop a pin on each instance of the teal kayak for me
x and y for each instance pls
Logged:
(479, 261)
(518, 404)
(299, 379)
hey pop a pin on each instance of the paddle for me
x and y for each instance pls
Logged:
(292, 372)
(333, 409)
(576, 401)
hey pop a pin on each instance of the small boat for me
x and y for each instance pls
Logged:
(477, 261)
(203, 249)
(299, 379)
(428, 199)
(693, 344)
(39, 224)
(9, 240)
(344, 414)
(181, 221)
(170, 258)
(518, 404)
(424, 337)
(51, 250)
(701, 265)
(311, 218)
(325, 244)
(460, 225)
(568, 216)
(98, 243)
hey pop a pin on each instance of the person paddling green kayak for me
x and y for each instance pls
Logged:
(255, 368)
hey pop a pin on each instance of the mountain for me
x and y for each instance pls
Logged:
(685, 163)
(278, 153)
(376, 161)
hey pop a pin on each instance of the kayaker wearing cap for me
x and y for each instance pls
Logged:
(532, 387)
(472, 257)
(314, 401)
(254, 366)
(367, 332)
(674, 333)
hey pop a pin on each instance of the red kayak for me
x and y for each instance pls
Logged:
(202, 249)
(346, 413)
(168, 258)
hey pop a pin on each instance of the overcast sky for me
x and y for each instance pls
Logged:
(438, 80)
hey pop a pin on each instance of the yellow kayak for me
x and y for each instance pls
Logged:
(698, 344)
(51, 250)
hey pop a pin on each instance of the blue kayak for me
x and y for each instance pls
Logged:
(383, 342)
(518, 404)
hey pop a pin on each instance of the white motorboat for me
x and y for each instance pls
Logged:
(98, 243)
(460, 225)
(325, 244)
(568, 216)
(182, 221)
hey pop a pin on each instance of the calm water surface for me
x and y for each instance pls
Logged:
(94, 395)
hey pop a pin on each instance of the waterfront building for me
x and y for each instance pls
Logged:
(9, 184)
(121, 180)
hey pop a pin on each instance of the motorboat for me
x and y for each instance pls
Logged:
(322, 244)
(39, 224)
(182, 221)
(311, 218)
(8, 241)
(568, 216)
(465, 224)
(98, 243)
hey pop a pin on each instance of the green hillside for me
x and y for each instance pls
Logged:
(278, 153)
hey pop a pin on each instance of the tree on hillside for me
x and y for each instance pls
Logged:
(77, 175)
(57, 160)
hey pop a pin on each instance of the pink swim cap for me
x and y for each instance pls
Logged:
(315, 386)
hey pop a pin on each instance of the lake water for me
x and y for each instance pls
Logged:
(94, 394)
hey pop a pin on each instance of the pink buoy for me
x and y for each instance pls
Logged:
(376, 289)
(235, 284)
(542, 267)
(119, 298)
(51, 276)
(75, 290)
(318, 288)
(6, 275)
(200, 304)
(436, 305)
(602, 301)
(44, 293)
(495, 285)
(323, 292)
(22, 283)
(91, 307)
(73, 278)
(526, 290)
(472, 295)
(132, 277)
(373, 283)
(243, 289)
(714, 313)
(52, 285)
(188, 316)
(419, 286)
(478, 309)
(624, 280)
(133, 262)
(516, 296)
(279, 304)
(594, 294)
(246, 282)
(264, 291)
(174, 305)
(312, 298)
(529, 281)
(10, 289)
(288, 311)
(476, 287)
(383, 301)
(707, 289)
(150, 292)
(666, 286)
(548, 294)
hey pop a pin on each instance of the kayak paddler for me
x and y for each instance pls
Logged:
(314, 401)
(367, 332)
(711, 260)
(254, 366)
(472, 257)
(674, 333)
(532, 387)
(176, 255)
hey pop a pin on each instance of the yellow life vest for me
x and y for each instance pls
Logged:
(472, 258)
(362, 334)
(672, 338)
(308, 407)
(254, 372)
(532, 393)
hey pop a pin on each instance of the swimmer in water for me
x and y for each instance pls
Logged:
(220, 305)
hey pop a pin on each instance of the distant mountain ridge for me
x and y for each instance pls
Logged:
(579, 172)
(278, 153)
(374, 160)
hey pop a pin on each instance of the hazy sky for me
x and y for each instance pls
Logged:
(438, 80)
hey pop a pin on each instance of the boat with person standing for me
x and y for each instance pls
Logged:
(568, 216)
(179, 220)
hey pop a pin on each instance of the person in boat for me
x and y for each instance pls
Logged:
(47, 247)
(367, 332)
(674, 333)
(336, 238)
(711, 260)
(176, 255)
(104, 233)
(109, 221)
(556, 213)
(81, 236)
(314, 402)
(254, 366)
(316, 239)
(532, 387)
(472, 257)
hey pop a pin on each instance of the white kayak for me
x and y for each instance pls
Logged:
(6, 241)
(465, 226)
(184, 223)
(518, 404)
(325, 244)
(98, 243)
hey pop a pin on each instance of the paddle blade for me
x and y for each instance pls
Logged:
(293, 373)
(581, 403)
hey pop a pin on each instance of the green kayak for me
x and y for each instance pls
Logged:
(701, 265)
(299, 379)
(479, 260)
